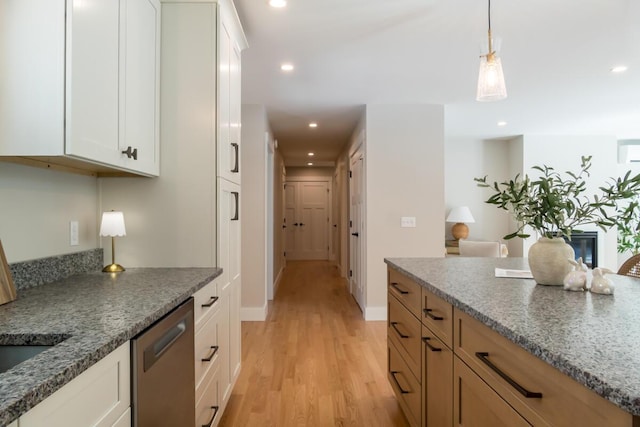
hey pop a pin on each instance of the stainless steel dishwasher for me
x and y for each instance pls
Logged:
(163, 371)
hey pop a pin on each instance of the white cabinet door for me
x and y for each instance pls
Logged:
(139, 89)
(235, 120)
(92, 80)
(97, 397)
(226, 151)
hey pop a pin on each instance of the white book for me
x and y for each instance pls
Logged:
(518, 274)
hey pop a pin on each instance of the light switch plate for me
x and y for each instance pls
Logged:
(408, 221)
(74, 238)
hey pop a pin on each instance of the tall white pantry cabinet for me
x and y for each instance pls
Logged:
(190, 215)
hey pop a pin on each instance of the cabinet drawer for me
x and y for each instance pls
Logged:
(208, 411)
(204, 302)
(404, 330)
(437, 381)
(405, 386)
(563, 401)
(406, 290)
(475, 404)
(437, 315)
(206, 348)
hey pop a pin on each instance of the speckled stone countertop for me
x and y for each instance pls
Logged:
(594, 339)
(94, 313)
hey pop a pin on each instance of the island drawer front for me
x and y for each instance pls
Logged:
(205, 301)
(563, 402)
(437, 384)
(408, 292)
(405, 386)
(475, 404)
(405, 331)
(208, 406)
(437, 315)
(207, 351)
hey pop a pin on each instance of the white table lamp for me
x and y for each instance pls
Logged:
(113, 226)
(460, 216)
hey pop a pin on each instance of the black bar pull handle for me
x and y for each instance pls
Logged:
(523, 391)
(432, 348)
(215, 412)
(236, 215)
(355, 234)
(395, 286)
(211, 301)
(429, 313)
(236, 167)
(131, 153)
(400, 334)
(393, 375)
(210, 356)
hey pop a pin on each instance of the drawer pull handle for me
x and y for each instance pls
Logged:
(395, 380)
(428, 312)
(211, 301)
(395, 286)
(213, 353)
(523, 391)
(215, 412)
(432, 348)
(400, 334)
(236, 150)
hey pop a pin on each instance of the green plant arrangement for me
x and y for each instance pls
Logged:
(629, 228)
(555, 204)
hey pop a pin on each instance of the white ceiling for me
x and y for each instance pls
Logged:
(556, 54)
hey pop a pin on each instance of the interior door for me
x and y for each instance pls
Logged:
(356, 284)
(307, 218)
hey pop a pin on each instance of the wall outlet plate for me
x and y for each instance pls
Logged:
(408, 221)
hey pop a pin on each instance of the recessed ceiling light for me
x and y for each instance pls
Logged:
(277, 3)
(311, 154)
(502, 123)
(313, 125)
(286, 67)
(619, 69)
(309, 164)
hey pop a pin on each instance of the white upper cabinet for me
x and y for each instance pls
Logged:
(82, 91)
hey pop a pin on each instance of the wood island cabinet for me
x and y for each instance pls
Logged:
(465, 374)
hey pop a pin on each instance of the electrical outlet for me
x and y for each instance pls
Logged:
(408, 221)
(74, 238)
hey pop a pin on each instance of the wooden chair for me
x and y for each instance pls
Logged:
(631, 267)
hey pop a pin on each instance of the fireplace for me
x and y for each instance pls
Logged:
(585, 245)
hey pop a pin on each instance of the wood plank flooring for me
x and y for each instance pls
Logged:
(314, 361)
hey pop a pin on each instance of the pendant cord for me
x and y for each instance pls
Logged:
(489, 14)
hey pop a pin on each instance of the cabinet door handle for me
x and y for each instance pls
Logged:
(215, 412)
(395, 286)
(236, 149)
(400, 334)
(355, 234)
(131, 153)
(395, 380)
(210, 356)
(211, 301)
(523, 391)
(428, 312)
(432, 348)
(236, 215)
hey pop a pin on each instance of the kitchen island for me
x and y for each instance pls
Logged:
(592, 339)
(86, 316)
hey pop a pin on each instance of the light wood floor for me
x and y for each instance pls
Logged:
(314, 361)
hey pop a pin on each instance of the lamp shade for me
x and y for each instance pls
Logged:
(460, 214)
(112, 224)
(491, 86)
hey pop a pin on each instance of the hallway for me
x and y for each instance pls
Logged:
(314, 361)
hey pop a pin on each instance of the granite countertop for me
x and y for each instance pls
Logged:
(594, 339)
(93, 313)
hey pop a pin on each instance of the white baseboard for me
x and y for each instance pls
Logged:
(254, 314)
(375, 313)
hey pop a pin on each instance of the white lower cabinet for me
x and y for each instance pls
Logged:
(100, 396)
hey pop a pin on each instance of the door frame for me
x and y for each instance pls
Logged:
(358, 155)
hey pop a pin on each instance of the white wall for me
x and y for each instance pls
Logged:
(253, 211)
(36, 206)
(310, 172)
(404, 164)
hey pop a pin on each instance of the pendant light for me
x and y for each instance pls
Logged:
(491, 85)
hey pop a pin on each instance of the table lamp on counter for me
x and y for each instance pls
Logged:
(460, 216)
(112, 226)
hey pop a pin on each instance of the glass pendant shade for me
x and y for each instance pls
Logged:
(491, 86)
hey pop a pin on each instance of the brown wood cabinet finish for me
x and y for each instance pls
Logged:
(437, 387)
(405, 330)
(405, 385)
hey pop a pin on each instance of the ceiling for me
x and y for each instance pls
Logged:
(556, 56)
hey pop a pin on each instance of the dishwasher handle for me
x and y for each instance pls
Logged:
(155, 351)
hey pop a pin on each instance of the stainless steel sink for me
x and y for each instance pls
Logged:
(11, 355)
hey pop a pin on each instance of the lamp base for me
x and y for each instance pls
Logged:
(460, 231)
(113, 268)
